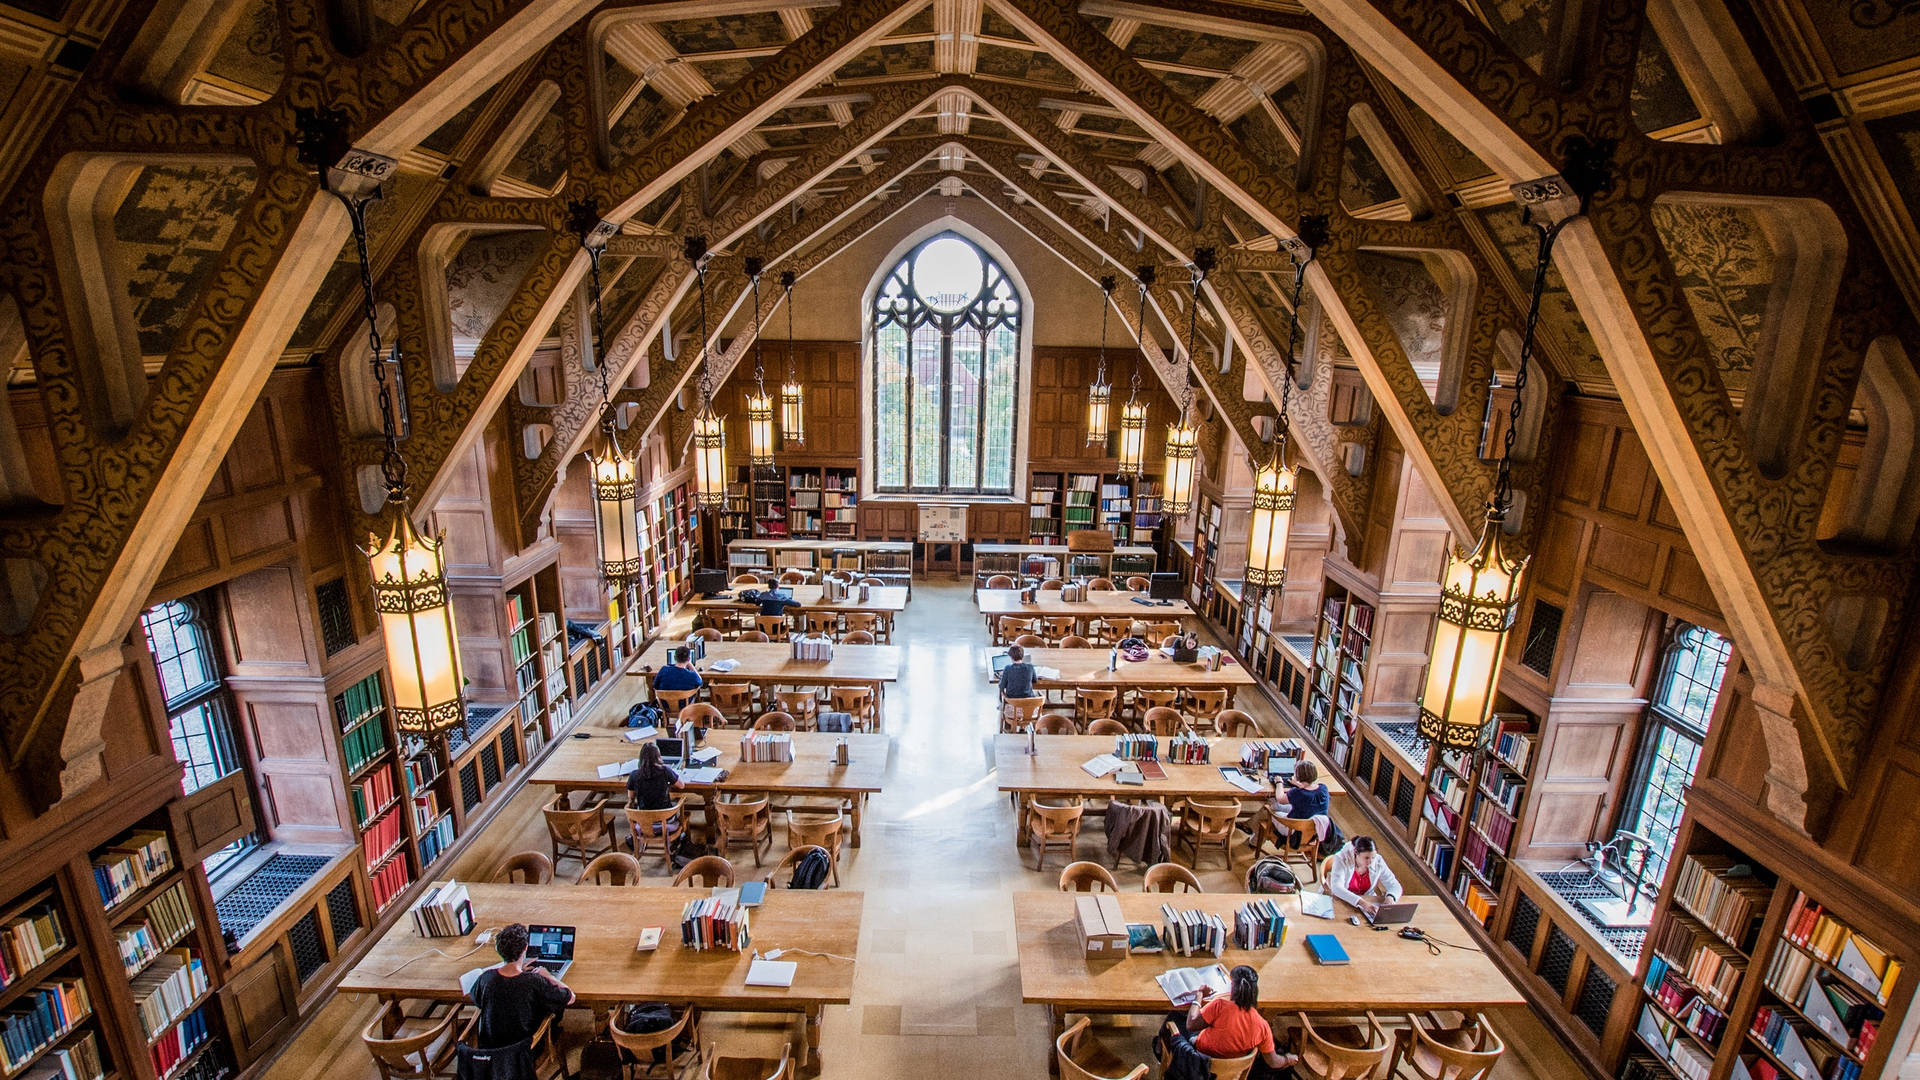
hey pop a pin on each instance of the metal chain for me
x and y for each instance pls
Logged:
(1202, 262)
(1287, 375)
(1143, 275)
(1503, 486)
(787, 279)
(706, 354)
(759, 353)
(1107, 285)
(607, 421)
(393, 467)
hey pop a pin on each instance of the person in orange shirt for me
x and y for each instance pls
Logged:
(1230, 1026)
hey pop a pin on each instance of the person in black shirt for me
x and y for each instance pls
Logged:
(650, 786)
(515, 999)
(775, 603)
(1016, 679)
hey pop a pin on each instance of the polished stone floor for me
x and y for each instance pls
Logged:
(937, 985)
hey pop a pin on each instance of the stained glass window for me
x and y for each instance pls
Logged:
(946, 359)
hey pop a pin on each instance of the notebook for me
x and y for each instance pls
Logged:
(1151, 770)
(772, 972)
(1317, 904)
(639, 734)
(1326, 950)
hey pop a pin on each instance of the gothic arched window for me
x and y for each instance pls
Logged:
(946, 372)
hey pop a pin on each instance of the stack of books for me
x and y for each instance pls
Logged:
(1191, 931)
(139, 859)
(27, 939)
(813, 650)
(766, 746)
(1188, 749)
(1259, 924)
(371, 794)
(168, 919)
(1810, 927)
(169, 986)
(1256, 753)
(388, 881)
(444, 910)
(39, 1018)
(714, 922)
(1136, 747)
(1721, 893)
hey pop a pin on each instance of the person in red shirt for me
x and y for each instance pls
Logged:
(1228, 1027)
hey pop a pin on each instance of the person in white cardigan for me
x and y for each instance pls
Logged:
(1358, 875)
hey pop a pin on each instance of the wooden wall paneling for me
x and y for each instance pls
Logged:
(213, 817)
(260, 1003)
(288, 725)
(582, 595)
(1309, 540)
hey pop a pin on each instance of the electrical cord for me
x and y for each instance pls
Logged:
(1434, 944)
(775, 954)
(481, 940)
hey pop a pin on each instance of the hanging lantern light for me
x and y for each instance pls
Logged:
(1273, 483)
(709, 428)
(1100, 393)
(1132, 450)
(793, 417)
(614, 474)
(1183, 435)
(759, 404)
(409, 571)
(1480, 595)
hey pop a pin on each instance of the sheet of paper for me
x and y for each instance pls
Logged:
(723, 666)
(1101, 766)
(1242, 781)
(619, 768)
(701, 776)
(640, 734)
(1046, 673)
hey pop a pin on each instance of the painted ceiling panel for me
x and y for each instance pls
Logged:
(171, 228)
(1169, 45)
(1725, 265)
(724, 33)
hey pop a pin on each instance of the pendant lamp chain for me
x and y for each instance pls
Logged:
(393, 467)
(1132, 451)
(1100, 392)
(759, 405)
(709, 429)
(793, 419)
(1270, 521)
(614, 475)
(1183, 436)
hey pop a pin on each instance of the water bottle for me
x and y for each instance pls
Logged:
(1113, 659)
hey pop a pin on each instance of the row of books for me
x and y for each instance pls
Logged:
(1438, 854)
(80, 1061)
(1438, 812)
(1476, 853)
(1786, 1035)
(1255, 753)
(169, 986)
(1191, 931)
(27, 939)
(380, 837)
(713, 922)
(180, 1043)
(389, 881)
(426, 808)
(358, 702)
(1684, 1003)
(1685, 1058)
(136, 861)
(1503, 785)
(1448, 788)
(364, 743)
(1514, 747)
(1702, 959)
(1841, 1012)
(422, 768)
(813, 650)
(40, 1018)
(371, 793)
(436, 839)
(168, 919)
(1259, 924)
(1136, 747)
(444, 910)
(766, 746)
(1722, 893)
(1477, 898)
(1809, 926)
(1494, 823)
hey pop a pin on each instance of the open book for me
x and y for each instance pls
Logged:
(1182, 985)
(618, 768)
(701, 776)
(1102, 765)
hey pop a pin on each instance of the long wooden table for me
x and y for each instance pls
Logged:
(1388, 972)
(1088, 667)
(881, 599)
(608, 971)
(1055, 770)
(1102, 604)
(767, 663)
(574, 765)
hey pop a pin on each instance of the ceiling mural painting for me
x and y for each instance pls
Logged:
(170, 227)
(1725, 264)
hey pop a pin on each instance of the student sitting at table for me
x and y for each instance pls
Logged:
(1228, 1027)
(515, 998)
(1301, 796)
(1016, 679)
(775, 603)
(1357, 874)
(678, 674)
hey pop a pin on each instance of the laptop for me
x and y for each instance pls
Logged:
(550, 947)
(672, 751)
(1000, 662)
(1393, 914)
(1281, 768)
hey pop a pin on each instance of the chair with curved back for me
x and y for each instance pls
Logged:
(1081, 1058)
(754, 637)
(1157, 632)
(1001, 581)
(1017, 713)
(733, 701)
(525, 868)
(776, 627)
(1055, 724)
(781, 876)
(1233, 1068)
(1057, 628)
(1030, 641)
(1145, 700)
(1074, 641)
(672, 701)
(612, 868)
(748, 820)
(1346, 1052)
(1101, 584)
(1008, 627)
(577, 834)
(1107, 727)
(857, 637)
(864, 621)
(1202, 706)
(415, 1047)
(704, 873)
(644, 827)
(1468, 1052)
(1136, 583)
(715, 1067)
(802, 705)
(745, 581)
(637, 1047)
(707, 633)
(1170, 877)
(702, 715)
(774, 720)
(794, 577)
(1087, 877)
(1049, 826)
(823, 623)
(1204, 824)
(1235, 724)
(1052, 584)
(858, 701)
(1093, 703)
(819, 830)
(1280, 830)
(1162, 721)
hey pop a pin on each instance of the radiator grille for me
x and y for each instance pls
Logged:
(342, 910)
(309, 955)
(1543, 633)
(1556, 963)
(469, 786)
(1524, 924)
(1595, 1000)
(1403, 801)
(490, 765)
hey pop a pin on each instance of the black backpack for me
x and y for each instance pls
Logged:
(1271, 876)
(645, 714)
(811, 871)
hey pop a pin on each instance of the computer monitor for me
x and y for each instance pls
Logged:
(708, 582)
(1163, 586)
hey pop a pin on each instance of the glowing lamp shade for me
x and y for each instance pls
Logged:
(793, 418)
(759, 429)
(1183, 451)
(616, 504)
(1099, 395)
(1268, 527)
(1477, 604)
(709, 458)
(423, 653)
(1133, 438)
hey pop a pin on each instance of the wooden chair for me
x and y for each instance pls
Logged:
(1100, 584)
(875, 583)
(801, 705)
(857, 637)
(1075, 641)
(612, 868)
(1340, 1054)
(1057, 628)
(1157, 632)
(857, 700)
(672, 701)
(1163, 721)
(1087, 877)
(1206, 824)
(547, 1058)
(823, 622)
(1232, 1068)
(747, 820)
(577, 833)
(864, 621)
(1146, 700)
(1011, 626)
(1272, 826)
(637, 1047)
(754, 636)
(704, 873)
(702, 715)
(1081, 1058)
(1056, 724)
(1235, 724)
(715, 1067)
(1203, 706)
(526, 868)
(1090, 704)
(794, 577)
(646, 826)
(774, 720)
(1052, 584)
(707, 633)
(776, 627)
(1107, 727)
(734, 701)
(415, 1047)
(782, 871)
(1017, 713)
(818, 830)
(1463, 1053)
(1137, 583)
(1030, 641)
(1000, 581)
(745, 581)
(1051, 827)
(1170, 877)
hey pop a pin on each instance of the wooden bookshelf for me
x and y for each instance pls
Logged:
(1342, 645)
(1470, 809)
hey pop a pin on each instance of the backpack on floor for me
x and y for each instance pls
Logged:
(811, 871)
(1271, 876)
(645, 714)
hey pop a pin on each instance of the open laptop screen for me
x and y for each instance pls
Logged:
(549, 942)
(672, 749)
(1000, 662)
